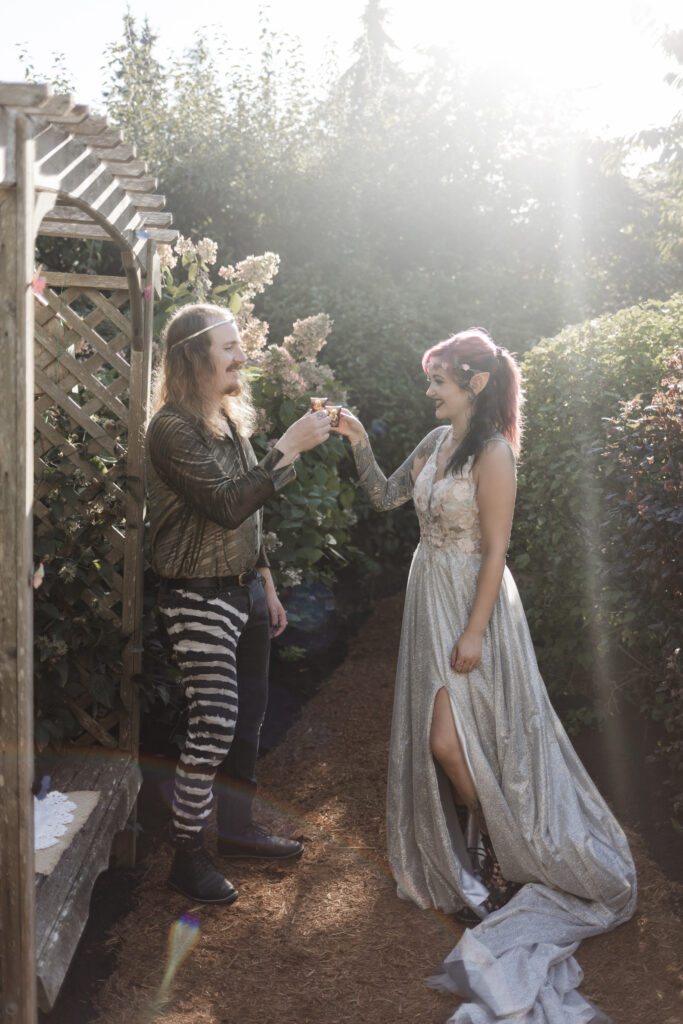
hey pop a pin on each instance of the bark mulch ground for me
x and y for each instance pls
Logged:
(325, 940)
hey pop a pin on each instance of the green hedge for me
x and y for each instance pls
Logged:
(573, 383)
(644, 557)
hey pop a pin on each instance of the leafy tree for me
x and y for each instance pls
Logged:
(664, 178)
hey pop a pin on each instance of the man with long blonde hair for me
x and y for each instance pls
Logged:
(217, 597)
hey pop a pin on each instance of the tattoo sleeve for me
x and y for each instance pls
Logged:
(386, 494)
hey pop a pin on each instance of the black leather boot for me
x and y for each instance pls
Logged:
(194, 874)
(238, 835)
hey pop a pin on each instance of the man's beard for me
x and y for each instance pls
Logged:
(236, 389)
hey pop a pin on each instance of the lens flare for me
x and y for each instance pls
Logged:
(183, 936)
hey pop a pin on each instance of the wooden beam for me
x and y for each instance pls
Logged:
(156, 219)
(141, 184)
(95, 125)
(105, 140)
(8, 174)
(69, 229)
(123, 153)
(17, 892)
(57, 280)
(168, 235)
(23, 94)
(131, 169)
(148, 201)
(77, 114)
(55, 106)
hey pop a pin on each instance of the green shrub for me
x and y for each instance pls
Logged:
(644, 553)
(78, 646)
(573, 382)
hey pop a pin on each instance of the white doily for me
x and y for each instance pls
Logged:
(51, 817)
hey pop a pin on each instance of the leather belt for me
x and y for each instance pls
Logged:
(242, 579)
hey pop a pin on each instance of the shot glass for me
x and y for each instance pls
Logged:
(334, 412)
(317, 403)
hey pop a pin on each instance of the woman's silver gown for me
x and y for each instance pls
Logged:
(549, 825)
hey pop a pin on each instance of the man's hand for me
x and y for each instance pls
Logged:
(278, 616)
(305, 433)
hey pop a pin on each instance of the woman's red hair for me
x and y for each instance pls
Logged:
(498, 408)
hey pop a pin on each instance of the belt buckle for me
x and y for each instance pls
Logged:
(240, 579)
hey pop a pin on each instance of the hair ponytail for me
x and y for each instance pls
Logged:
(497, 408)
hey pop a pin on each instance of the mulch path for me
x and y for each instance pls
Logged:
(325, 940)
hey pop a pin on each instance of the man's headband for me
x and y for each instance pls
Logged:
(209, 327)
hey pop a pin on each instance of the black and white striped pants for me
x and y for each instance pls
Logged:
(221, 640)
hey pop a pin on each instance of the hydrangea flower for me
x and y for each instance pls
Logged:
(184, 245)
(167, 257)
(308, 336)
(256, 272)
(207, 250)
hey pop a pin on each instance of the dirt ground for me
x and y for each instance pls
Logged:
(325, 940)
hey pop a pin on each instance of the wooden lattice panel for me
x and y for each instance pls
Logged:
(82, 377)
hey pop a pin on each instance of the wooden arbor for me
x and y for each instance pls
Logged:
(65, 172)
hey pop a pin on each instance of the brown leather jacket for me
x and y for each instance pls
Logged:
(205, 498)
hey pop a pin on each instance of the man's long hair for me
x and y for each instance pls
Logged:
(186, 365)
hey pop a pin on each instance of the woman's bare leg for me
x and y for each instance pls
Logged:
(447, 749)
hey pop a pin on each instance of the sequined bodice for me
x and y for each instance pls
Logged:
(447, 508)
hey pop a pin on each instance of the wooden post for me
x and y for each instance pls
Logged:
(17, 899)
(134, 557)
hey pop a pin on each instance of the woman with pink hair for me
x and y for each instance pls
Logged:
(490, 814)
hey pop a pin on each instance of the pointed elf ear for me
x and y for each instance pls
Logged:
(479, 381)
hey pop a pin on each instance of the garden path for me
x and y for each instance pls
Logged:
(325, 940)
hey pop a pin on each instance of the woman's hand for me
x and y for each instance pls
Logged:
(350, 426)
(278, 616)
(466, 653)
(305, 433)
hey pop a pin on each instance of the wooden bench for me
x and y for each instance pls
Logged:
(63, 897)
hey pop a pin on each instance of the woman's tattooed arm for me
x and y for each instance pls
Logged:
(386, 494)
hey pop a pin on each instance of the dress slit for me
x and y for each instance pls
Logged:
(473, 890)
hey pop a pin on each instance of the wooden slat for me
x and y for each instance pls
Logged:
(105, 140)
(55, 106)
(144, 184)
(58, 280)
(23, 94)
(133, 565)
(124, 152)
(116, 206)
(17, 894)
(112, 313)
(95, 125)
(74, 411)
(149, 201)
(63, 897)
(75, 116)
(74, 321)
(81, 376)
(66, 229)
(92, 726)
(131, 169)
(167, 235)
(157, 219)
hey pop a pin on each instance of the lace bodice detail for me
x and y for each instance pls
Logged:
(447, 509)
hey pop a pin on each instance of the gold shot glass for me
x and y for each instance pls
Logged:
(334, 412)
(317, 403)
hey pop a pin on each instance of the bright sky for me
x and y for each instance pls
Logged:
(600, 58)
